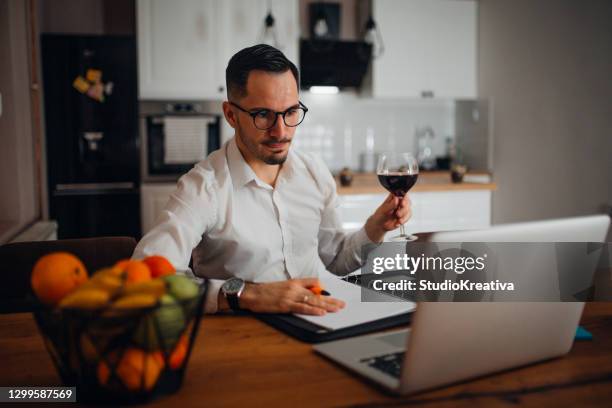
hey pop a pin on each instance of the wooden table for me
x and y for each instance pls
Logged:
(239, 361)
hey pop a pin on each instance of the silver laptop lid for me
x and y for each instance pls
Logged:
(451, 342)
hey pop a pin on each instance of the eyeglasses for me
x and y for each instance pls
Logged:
(265, 119)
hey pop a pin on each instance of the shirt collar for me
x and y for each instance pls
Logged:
(242, 174)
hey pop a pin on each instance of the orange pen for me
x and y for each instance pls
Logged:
(317, 290)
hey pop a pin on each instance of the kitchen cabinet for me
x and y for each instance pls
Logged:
(431, 211)
(430, 49)
(243, 23)
(177, 49)
(153, 199)
(184, 46)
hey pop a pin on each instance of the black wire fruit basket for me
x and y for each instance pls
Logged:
(126, 356)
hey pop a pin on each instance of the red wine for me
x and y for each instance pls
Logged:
(398, 184)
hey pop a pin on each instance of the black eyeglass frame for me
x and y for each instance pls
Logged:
(254, 113)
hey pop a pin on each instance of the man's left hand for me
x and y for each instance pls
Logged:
(392, 213)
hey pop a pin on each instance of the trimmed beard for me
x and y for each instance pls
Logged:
(253, 148)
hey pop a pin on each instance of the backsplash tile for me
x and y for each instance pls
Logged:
(340, 127)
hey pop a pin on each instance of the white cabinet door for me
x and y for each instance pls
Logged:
(178, 49)
(243, 24)
(451, 211)
(184, 46)
(431, 211)
(356, 208)
(153, 199)
(430, 48)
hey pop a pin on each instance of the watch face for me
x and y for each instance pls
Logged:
(233, 286)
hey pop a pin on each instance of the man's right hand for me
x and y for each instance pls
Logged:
(290, 296)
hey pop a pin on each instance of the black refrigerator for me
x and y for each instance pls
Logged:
(90, 98)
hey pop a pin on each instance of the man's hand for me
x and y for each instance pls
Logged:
(290, 296)
(392, 213)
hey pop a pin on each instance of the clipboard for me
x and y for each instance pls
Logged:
(311, 333)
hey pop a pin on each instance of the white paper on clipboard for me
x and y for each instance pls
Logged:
(185, 139)
(355, 311)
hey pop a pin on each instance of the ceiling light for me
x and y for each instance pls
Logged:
(373, 36)
(324, 90)
(268, 33)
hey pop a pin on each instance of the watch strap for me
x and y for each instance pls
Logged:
(232, 300)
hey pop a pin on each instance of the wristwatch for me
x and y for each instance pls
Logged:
(232, 289)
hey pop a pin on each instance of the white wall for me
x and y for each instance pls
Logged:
(547, 67)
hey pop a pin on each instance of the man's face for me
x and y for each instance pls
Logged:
(272, 91)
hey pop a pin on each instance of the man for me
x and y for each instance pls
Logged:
(263, 217)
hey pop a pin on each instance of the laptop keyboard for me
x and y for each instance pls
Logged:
(390, 364)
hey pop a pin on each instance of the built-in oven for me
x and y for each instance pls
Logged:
(175, 136)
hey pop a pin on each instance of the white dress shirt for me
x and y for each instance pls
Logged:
(240, 226)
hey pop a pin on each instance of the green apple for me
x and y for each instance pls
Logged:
(181, 287)
(170, 320)
(163, 327)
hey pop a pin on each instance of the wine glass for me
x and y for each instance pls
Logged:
(398, 172)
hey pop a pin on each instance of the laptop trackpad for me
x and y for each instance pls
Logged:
(397, 339)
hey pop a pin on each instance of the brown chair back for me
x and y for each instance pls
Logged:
(18, 259)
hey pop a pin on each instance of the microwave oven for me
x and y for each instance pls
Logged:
(176, 126)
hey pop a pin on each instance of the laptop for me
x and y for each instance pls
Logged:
(452, 342)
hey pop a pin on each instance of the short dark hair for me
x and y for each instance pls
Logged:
(261, 57)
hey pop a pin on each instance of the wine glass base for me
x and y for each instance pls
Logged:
(404, 238)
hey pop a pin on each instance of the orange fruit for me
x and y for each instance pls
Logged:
(121, 264)
(137, 271)
(177, 357)
(55, 275)
(159, 266)
(88, 349)
(104, 371)
(137, 368)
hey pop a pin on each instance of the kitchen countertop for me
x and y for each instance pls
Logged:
(367, 183)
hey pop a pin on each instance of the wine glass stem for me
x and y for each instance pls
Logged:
(402, 230)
